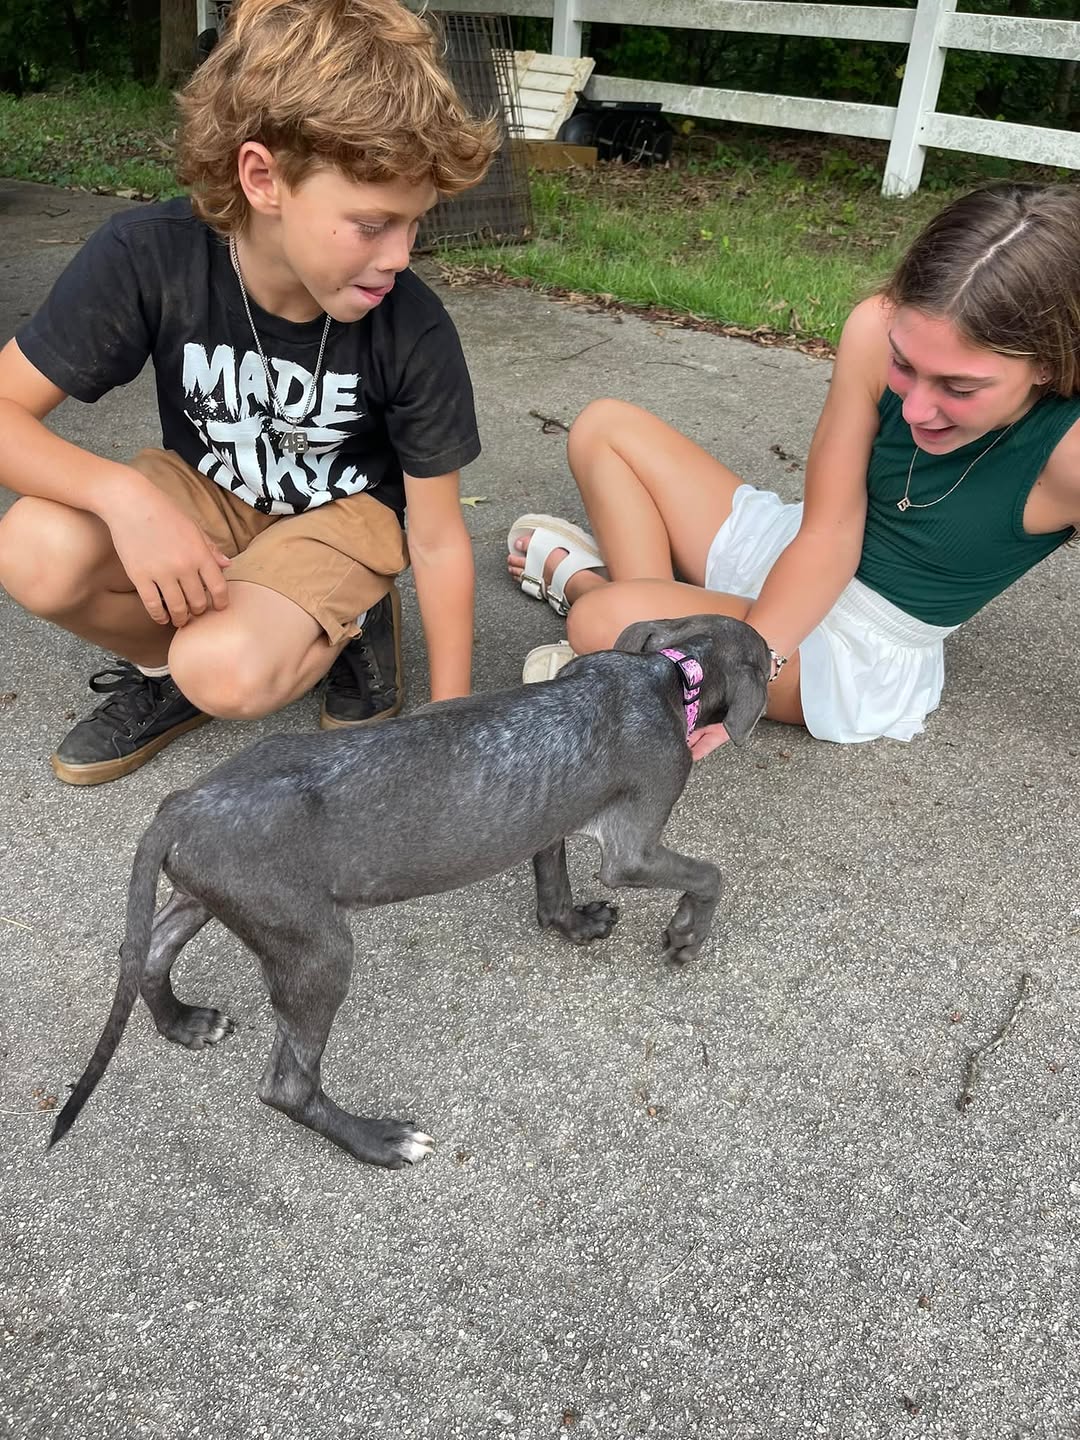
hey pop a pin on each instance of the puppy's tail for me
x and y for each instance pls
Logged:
(142, 894)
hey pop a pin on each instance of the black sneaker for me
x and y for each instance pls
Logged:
(365, 682)
(140, 717)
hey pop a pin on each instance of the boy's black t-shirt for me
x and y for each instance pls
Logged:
(156, 282)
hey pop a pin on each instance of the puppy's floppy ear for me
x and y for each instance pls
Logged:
(644, 637)
(748, 691)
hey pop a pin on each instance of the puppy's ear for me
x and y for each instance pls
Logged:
(748, 691)
(644, 637)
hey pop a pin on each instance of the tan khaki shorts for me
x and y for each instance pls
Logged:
(335, 561)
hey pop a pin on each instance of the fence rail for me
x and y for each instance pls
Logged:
(913, 125)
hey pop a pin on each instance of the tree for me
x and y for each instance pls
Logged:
(177, 58)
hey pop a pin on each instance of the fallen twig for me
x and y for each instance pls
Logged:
(975, 1059)
(550, 424)
(674, 1271)
(575, 353)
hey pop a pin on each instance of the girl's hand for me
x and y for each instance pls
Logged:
(174, 568)
(709, 738)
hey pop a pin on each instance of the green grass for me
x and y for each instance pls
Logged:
(748, 228)
(758, 255)
(786, 235)
(115, 138)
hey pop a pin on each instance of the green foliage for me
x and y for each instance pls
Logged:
(42, 41)
(106, 137)
(748, 230)
(639, 50)
(998, 86)
(529, 34)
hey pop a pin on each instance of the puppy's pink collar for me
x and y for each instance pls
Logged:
(692, 676)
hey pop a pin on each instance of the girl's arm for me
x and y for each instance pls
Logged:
(440, 552)
(808, 576)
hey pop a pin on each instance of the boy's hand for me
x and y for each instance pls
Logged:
(174, 568)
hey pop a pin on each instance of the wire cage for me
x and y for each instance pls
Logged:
(479, 58)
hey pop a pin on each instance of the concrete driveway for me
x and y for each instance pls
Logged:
(738, 1201)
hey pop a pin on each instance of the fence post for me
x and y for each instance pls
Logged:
(918, 98)
(565, 29)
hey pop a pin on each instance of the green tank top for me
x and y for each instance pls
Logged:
(943, 564)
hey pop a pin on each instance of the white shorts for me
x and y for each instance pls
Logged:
(869, 669)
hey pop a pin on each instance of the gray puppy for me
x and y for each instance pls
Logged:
(280, 843)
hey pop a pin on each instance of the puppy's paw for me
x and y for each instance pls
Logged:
(393, 1143)
(414, 1146)
(681, 946)
(197, 1026)
(594, 920)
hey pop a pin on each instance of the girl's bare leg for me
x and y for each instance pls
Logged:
(655, 502)
(654, 499)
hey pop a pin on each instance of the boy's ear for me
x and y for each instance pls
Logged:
(259, 178)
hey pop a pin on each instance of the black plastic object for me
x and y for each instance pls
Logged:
(633, 131)
(208, 38)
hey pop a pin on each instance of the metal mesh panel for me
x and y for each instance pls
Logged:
(479, 58)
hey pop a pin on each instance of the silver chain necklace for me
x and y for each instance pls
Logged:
(293, 440)
(905, 504)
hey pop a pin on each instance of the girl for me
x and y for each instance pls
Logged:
(945, 464)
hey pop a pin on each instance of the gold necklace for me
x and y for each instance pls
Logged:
(905, 504)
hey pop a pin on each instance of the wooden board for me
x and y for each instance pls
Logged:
(554, 155)
(548, 87)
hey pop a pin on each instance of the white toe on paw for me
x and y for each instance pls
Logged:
(415, 1146)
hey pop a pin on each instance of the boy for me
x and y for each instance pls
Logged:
(309, 387)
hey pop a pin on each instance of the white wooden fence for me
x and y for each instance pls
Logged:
(911, 126)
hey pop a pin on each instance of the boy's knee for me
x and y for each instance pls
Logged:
(48, 556)
(224, 675)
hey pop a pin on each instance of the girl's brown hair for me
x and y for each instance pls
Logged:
(1003, 265)
(351, 84)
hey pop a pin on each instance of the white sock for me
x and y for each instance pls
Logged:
(153, 672)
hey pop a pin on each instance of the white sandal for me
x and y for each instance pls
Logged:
(545, 662)
(550, 533)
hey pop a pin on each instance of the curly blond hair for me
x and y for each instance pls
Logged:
(353, 85)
